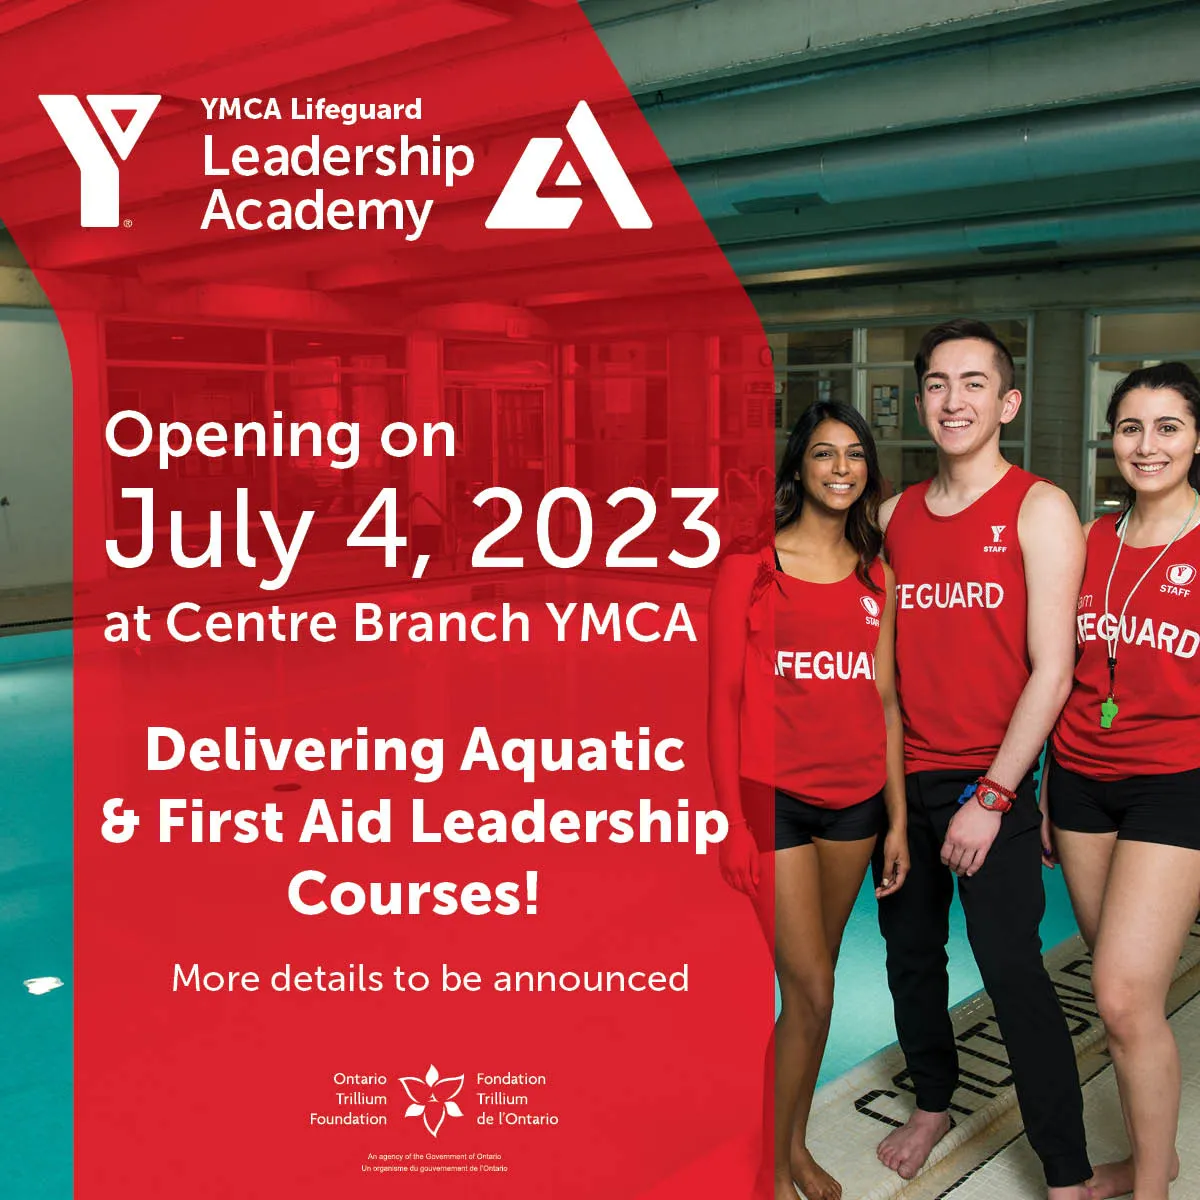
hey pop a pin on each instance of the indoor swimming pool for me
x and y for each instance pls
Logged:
(862, 1011)
(35, 914)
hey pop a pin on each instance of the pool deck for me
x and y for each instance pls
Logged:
(999, 1162)
(986, 1156)
(31, 610)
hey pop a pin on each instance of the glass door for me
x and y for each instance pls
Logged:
(502, 442)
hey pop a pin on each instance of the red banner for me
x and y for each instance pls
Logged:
(414, 403)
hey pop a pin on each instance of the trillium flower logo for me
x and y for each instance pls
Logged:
(432, 1098)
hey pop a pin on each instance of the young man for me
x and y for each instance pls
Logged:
(988, 561)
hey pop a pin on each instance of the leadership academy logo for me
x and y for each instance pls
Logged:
(99, 175)
(432, 1098)
(520, 206)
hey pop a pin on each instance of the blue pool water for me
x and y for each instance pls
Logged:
(862, 1009)
(35, 914)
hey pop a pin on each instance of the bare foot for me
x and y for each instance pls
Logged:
(1116, 1179)
(1111, 1179)
(814, 1182)
(905, 1150)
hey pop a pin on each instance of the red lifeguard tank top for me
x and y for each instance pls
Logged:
(1157, 727)
(962, 659)
(830, 738)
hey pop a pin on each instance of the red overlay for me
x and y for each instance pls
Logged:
(593, 358)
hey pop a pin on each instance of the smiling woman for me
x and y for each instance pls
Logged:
(804, 709)
(1122, 782)
(1154, 430)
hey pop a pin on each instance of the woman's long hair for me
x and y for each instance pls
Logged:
(862, 521)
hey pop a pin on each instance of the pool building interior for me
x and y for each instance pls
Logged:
(867, 169)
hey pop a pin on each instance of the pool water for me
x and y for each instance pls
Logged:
(862, 1009)
(35, 914)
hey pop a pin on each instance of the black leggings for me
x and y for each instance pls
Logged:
(1003, 902)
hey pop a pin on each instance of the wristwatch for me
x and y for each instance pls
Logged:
(993, 797)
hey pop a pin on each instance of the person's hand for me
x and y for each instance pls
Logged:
(738, 856)
(895, 863)
(972, 831)
(1049, 854)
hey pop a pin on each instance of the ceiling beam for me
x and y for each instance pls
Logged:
(1053, 284)
(682, 45)
(1118, 60)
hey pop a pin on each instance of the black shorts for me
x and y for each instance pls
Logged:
(779, 821)
(1143, 808)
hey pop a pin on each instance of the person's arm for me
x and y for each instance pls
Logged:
(886, 509)
(1049, 854)
(1053, 549)
(727, 644)
(895, 845)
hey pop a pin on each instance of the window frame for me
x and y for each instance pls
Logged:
(861, 367)
(1093, 361)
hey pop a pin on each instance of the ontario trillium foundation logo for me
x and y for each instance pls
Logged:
(432, 1098)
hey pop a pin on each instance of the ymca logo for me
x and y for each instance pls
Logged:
(870, 604)
(99, 177)
(520, 207)
(1179, 575)
(996, 547)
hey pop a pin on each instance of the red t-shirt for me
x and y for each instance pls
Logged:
(830, 738)
(1157, 727)
(962, 658)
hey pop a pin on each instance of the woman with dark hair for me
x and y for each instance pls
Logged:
(1123, 784)
(806, 745)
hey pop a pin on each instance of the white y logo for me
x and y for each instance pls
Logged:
(520, 207)
(997, 530)
(1181, 574)
(99, 179)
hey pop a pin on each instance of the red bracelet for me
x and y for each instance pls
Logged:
(999, 789)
